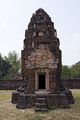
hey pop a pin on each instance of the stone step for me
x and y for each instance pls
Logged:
(40, 100)
(40, 105)
(41, 109)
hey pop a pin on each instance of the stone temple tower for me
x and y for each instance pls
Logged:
(42, 65)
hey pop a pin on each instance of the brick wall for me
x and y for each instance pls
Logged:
(14, 84)
(10, 84)
(72, 83)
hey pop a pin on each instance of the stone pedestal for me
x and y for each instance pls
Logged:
(22, 101)
(15, 95)
(69, 96)
(62, 101)
(57, 100)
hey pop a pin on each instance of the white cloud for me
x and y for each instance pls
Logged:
(3, 25)
(71, 49)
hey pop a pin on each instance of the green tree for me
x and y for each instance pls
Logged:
(66, 72)
(15, 63)
(75, 70)
(4, 68)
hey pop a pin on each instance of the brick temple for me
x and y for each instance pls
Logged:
(41, 67)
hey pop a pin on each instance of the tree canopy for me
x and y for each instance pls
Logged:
(10, 66)
(71, 71)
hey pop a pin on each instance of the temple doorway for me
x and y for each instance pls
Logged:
(41, 81)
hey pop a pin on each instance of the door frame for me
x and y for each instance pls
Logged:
(42, 71)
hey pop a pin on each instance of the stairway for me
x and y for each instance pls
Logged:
(40, 104)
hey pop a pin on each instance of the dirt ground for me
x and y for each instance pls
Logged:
(8, 110)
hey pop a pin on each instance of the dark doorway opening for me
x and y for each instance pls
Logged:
(41, 81)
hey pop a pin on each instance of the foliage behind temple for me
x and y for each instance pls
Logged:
(10, 66)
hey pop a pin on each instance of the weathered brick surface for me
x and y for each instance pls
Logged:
(41, 50)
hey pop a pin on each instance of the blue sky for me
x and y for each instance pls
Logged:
(15, 16)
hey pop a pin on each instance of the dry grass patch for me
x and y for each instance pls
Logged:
(8, 111)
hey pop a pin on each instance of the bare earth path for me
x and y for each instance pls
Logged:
(8, 111)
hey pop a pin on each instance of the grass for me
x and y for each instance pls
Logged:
(4, 95)
(8, 111)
